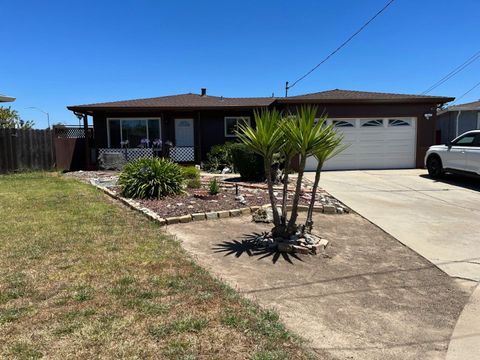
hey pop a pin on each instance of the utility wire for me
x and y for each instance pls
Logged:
(454, 72)
(340, 47)
(467, 92)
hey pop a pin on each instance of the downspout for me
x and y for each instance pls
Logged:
(457, 121)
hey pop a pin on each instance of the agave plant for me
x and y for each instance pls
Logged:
(151, 178)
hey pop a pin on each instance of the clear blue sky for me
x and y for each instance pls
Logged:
(59, 53)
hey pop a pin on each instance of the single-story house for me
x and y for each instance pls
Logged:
(4, 98)
(385, 130)
(457, 119)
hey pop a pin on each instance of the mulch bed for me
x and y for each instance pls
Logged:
(188, 204)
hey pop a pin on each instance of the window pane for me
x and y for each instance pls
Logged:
(114, 133)
(372, 123)
(134, 131)
(467, 140)
(343, 123)
(230, 126)
(153, 130)
(398, 122)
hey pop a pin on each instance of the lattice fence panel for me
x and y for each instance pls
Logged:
(182, 153)
(71, 132)
(129, 154)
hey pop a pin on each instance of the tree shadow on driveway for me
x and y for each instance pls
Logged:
(248, 245)
(467, 182)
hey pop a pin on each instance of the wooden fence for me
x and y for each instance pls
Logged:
(26, 150)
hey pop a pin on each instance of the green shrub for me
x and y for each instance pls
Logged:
(151, 178)
(192, 177)
(214, 189)
(248, 163)
(218, 157)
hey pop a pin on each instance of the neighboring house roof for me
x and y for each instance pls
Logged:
(4, 98)
(352, 96)
(471, 106)
(182, 101)
(196, 101)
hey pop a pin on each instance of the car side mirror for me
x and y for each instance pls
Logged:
(449, 144)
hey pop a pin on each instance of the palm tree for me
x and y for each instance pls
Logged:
(330, 148)
(266, 139)
(301, 134)
(305, 135)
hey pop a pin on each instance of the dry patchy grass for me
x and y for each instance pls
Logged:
(82, 277)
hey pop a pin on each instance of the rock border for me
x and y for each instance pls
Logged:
(221, 214)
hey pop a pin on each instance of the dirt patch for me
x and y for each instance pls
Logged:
(369, 297)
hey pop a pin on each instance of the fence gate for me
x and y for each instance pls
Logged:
(70, 143)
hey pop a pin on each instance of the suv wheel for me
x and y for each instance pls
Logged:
(434, 167)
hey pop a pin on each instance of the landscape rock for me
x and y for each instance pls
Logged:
(285, 247)
(236, 212)
(223, 214)
(198, 216)
(211, 215)
(300, 249)
(185, 218)
(329, 209)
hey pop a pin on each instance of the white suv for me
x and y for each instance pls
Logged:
(462, 155)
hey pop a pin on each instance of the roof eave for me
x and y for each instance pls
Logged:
(4, 98)
(90, 110)
(365, 101)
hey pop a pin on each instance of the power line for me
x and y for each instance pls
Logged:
(338, 48)
(454, 72)
(467, 92)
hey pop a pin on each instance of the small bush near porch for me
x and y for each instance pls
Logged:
(82, 277)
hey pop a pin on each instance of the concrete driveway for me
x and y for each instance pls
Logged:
(440, 220)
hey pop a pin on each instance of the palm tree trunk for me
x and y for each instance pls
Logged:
(273, 200)
(309, 222)
(294, 214)
(286, 169)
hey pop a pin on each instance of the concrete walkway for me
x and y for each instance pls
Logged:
(438, 219)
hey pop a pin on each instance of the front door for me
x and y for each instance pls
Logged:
(184, 150)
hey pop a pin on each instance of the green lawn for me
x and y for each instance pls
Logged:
(83, 277)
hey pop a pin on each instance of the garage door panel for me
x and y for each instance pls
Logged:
(379, 147)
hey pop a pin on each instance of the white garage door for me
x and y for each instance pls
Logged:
(376, 143)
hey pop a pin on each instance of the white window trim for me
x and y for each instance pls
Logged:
(233, 117)
(132, 118)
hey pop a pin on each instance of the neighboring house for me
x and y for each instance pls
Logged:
(4, 98)
(384, 130)
(455, 120)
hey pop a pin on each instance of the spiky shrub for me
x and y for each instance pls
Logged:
(213, 187)
(151, 178)
(192, 177)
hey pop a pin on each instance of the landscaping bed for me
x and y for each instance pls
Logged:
(233, 195)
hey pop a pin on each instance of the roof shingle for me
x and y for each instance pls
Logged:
(195, 101)
(338, 95)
